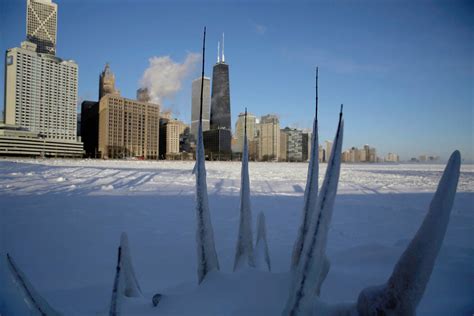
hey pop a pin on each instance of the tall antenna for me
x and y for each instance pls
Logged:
(245, 125)
(202, 76)
(223, 58)
(218, 52)
(316, 94)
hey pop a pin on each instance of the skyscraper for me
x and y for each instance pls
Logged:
(127, 128)
(41, 25)
(239, 129)
(40, 88)
(220, 99)
(196, 103)
(217, 140)
(107, 82)
(269, 138)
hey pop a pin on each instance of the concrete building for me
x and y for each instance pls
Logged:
(107, 82)
(363, 155)
(306, 145)
(128, 128)
(218, 144)
(218, 140)
(294, 150)
(392, 157)
(170, 132)
(283, 146)
(196, 105)
(41, 25)
(239, 130)
(90, 128)
(41, 92)
(372, 154)
(143, 95)
(321, 153)
(327, 151)
(269, 138)
(220, 98)
(19, 141)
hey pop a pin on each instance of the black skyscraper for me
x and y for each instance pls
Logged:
(217, 141)
(220, 98)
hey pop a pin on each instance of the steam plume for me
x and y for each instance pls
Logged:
(163, 77)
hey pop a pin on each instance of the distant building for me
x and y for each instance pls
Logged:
(143, 95)
(306, 146)
(239, 130)
(283, 145)
(220, 98)
(391, 157)
(327, 151)
(253, 149)
(372, 155)
(321, 153)
(196, 105)
(170, 131)
(218, 140)
(90, 128)
(269, 138)
(218, 144)
(41, 92)
(107, 82)
(19, 141)
(128, 128)
(41, 25)
(294, 151)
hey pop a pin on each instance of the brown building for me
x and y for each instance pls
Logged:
(128, 128)
(283, 145)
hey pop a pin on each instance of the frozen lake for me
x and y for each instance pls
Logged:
(61, 220)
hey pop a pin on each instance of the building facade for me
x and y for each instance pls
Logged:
(41, 92)
(170, 136)
(196, 105)
(128, 128)
(107, 82)
(220, 99)
(90, 128)
(283, 146)
(41, 25)
(269, 138)
(19, 141)
(294, 149)
(240, 129)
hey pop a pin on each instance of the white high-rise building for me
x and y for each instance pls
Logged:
(40, 88)
(196, 105)
(41, 25)
(41, 92)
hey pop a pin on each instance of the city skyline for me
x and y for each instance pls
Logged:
(406, 88)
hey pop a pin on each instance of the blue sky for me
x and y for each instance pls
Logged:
(403, 69)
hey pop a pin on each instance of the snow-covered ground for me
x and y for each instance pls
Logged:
(61, 221)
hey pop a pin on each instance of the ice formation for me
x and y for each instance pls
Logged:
(36, 304)
(312, 267)
(206, 250)
(399, 296)
(262, 255)
(125, 281)
(311, 190)
(405, 287)
(244, 250)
